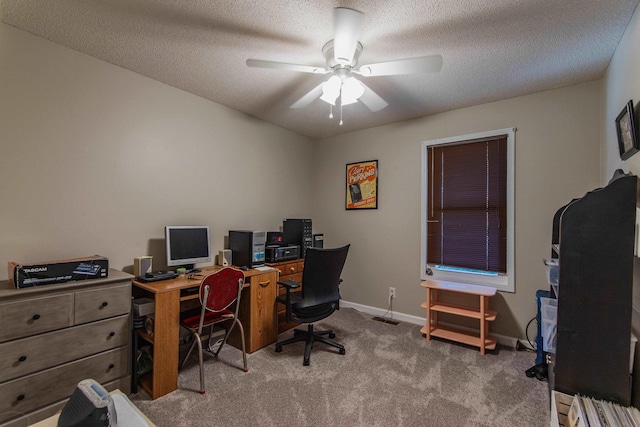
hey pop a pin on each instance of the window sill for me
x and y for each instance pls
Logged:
(501, 282)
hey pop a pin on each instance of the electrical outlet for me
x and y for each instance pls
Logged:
(392, 293)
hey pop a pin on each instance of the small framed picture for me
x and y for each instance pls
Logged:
(362, 185)
(626, 130)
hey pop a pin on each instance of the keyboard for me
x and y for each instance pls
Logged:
(157, 275)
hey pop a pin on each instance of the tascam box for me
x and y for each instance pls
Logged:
(51, 272)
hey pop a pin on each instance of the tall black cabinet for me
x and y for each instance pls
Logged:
(594, 240)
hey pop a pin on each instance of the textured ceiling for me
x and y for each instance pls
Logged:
(491, 49)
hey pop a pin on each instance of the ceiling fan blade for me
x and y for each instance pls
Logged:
(346, 24)
(308, 98)
(372, 100)
(422, 64)
(285, 66)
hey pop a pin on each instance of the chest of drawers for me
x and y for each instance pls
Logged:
(287, 270)
(54, 336)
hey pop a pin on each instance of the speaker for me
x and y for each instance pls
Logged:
(224, 258)
(142, 265)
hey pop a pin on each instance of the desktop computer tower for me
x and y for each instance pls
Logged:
(298, 232)
(247, 247)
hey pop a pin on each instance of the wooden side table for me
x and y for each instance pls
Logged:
(434, 306)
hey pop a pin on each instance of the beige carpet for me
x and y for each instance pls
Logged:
(390, 376)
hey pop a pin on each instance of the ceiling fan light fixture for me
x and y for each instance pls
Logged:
(351, 91)
(331, 90)
(329, 100)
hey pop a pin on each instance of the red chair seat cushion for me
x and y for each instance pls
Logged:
(210, 318)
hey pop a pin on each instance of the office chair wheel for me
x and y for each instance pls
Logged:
(342, 351)
(278, 348)
(305, 362)
(332, 335)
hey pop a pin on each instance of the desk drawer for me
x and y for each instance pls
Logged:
(35, 315)
(25, 394)
(28, 355)
(288, 268)
(101, 303)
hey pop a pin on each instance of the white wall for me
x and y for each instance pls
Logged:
(557, 159)
(97, 160)
(621, 84)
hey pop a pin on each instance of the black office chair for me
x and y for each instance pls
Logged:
(318, 299)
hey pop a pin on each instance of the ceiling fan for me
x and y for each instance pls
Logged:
(341, 55)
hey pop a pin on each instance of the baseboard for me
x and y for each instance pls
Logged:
(420, 321)
(416, 320)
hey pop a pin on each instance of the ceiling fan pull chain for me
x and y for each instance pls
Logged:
(341, 112)
(330, 111)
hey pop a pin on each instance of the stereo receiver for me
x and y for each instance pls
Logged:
(282, 253)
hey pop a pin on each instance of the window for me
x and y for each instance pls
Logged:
(467, 209)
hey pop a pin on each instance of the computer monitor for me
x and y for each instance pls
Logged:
(187, 245)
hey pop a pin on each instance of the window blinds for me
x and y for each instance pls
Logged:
(467, 206)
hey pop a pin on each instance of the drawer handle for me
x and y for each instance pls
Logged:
(279, 271)
(111, 366)
(292, 269)
(265, 284)
(21, 397)
(112, 334)
(104, 304)
(36, 317)
(22, 358)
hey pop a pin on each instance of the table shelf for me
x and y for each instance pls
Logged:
(482, 313)
(460, 336)
(459, 310)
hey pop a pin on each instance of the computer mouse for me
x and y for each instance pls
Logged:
(244, 268)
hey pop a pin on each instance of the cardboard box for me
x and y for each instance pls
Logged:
(52, 272)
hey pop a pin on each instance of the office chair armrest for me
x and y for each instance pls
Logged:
(289, 284)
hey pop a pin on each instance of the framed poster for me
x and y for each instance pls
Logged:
(626, 130)
(362, 185)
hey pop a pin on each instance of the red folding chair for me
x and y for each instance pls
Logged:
(220, 299)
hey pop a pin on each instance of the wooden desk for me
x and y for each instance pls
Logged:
(287, 270)
(257, 314)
